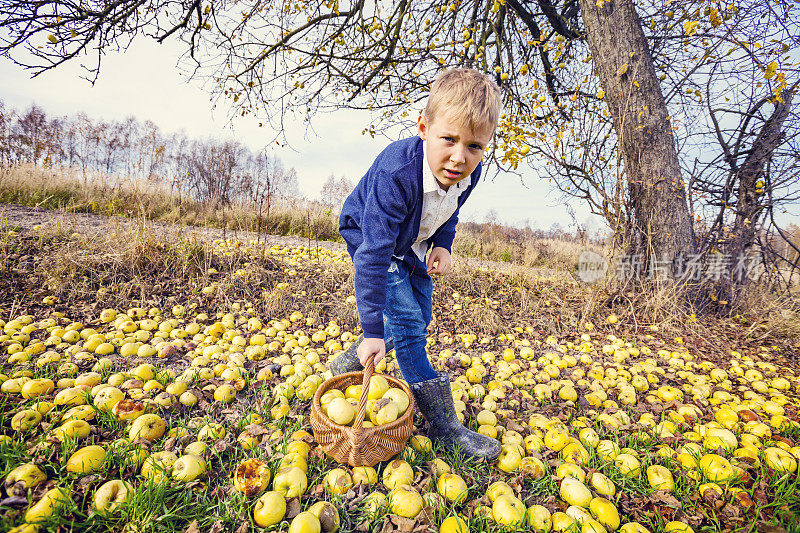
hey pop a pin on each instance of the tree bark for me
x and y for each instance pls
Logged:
(749, 204)
(661, 232)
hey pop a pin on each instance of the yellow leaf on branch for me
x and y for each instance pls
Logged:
(770, 71)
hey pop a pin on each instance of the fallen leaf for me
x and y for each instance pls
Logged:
(14, 501)
(192, 528)
(293, 508)
(764, 527)
(316, 491)
(256, 429)
(402, 523)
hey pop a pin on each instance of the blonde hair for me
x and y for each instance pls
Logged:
(470, 98)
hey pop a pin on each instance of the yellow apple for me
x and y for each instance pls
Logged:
(539, 519)
(294, 459)
(628, 465)
(574, 452)
(378, 386)
(660, 478)
(37, 387)
(25, 528)
(225, 393)
(158, 465)
(25, 420)
(575, 493)
(607, 450)
(404, 500)
(51, 503)
(421, 443)
(384, 412)
(581, 515)
(71, 396)
(328, 516)
(128, 409)
(604, 512)
(365, 474)
(148, 426)
(452, 487)
(565, 470)
(305, 522)
(497, 489)
(716, 468)
(509, 458)
(79, 412)
(374, 502)
(188, 468)
(337, 481)
(341, 411)
(196, 448)
(22, 478)
(73, 429)
(270, 509)
(252, 477)
(290, 482)
(398, 472)
(533, 467)
(189, 399)
(453, 524)
(780, 460)
(87, 460)
(108, 397)
(440, 467)
(556, 438)
(111, 495)
(719, 438)
(563, 522)
(508, 510)
(400, 398)
(602, 485)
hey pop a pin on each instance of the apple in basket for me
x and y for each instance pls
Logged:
(399, 397)
(341, 411)
(383, 411)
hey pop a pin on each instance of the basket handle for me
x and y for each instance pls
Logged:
(369, 369)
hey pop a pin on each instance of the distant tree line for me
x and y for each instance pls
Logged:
(210, 171)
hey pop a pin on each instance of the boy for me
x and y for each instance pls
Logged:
(406, 204)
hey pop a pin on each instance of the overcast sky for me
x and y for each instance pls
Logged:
(144, 82)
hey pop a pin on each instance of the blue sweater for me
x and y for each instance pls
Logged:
(380, 219)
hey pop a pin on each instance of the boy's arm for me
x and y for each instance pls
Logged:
(385, 208)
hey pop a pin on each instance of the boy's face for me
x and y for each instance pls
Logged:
(453, 151)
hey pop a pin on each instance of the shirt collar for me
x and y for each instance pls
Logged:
(429, 183)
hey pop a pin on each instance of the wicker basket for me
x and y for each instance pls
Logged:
(357, 445)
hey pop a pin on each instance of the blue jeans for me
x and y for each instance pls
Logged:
(406, 317)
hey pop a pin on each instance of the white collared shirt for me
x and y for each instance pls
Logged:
(438, 205)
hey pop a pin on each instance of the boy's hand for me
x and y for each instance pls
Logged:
(371, 346)
(442, 257)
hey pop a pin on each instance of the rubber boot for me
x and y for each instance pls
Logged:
(347, 361)
(435, 400)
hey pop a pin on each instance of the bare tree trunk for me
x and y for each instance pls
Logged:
(660, 232)
(749, 206)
